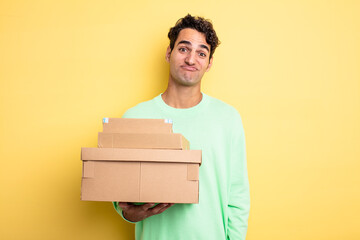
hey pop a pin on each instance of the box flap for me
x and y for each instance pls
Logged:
(141, 155)
(88, 169)
(192, 172)
(185, 142)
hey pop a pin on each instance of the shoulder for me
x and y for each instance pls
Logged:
(224, 113)
(141, 109)
(225, 116)
(223, 108)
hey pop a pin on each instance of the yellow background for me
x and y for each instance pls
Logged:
(291, 68)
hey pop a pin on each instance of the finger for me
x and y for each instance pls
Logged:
(166, 207)
(147, 206)
(160, 207)
(123, 205)
(163, 209)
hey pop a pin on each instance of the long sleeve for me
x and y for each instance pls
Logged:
(120, 212)
(239, 198)
(215, 128)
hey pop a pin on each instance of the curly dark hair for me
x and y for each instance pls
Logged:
(199, 24)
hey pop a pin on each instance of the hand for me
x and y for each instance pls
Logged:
(136, 213)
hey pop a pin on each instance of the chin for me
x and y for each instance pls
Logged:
(188, 83)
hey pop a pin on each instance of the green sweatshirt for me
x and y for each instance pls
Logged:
(222, 213)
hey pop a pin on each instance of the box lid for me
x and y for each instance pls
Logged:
(141, 155)
(143, 140)
(137, 125)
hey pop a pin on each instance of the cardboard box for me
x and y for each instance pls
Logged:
(140, 175)
(136, 125)
(140, 160)
(143, 140)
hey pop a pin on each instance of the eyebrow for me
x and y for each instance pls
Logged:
(189, 43)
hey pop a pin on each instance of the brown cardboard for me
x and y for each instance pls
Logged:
(144, 155)
(140, 175)
(143, 140)
(136, 125)
(140, 160)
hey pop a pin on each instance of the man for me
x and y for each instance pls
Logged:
(209, 125)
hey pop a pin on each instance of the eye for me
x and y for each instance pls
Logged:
(182, 49)
(202, 54)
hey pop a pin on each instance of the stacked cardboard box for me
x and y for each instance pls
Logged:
(140, 160)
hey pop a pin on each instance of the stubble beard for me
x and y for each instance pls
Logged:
(186, 80)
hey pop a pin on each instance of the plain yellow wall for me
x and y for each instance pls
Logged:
(291, 68)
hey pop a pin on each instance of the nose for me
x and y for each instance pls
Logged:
(190, 58)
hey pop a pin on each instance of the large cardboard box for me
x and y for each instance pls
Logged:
(140, 175)
(140, 160)
(143, 140)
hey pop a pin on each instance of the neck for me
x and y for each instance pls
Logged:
(182, 96)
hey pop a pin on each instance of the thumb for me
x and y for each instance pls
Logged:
(123, 205)
(146, 206)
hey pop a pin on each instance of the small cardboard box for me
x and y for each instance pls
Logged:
(136, 125)
(140, 175)
(143, 140)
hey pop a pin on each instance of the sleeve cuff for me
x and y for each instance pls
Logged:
(120, 212)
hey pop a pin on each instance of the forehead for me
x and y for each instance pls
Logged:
(193, 36)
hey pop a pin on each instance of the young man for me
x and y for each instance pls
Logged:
(209, 125)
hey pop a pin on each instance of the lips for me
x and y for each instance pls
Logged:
(189, 68)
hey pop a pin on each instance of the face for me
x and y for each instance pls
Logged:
(189, 59)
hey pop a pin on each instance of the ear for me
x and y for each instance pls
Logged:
(168, 53)
(210, 64)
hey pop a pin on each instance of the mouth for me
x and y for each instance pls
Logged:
(189, 68)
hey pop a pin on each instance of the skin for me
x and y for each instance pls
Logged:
(136, 213)
(188, 60)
